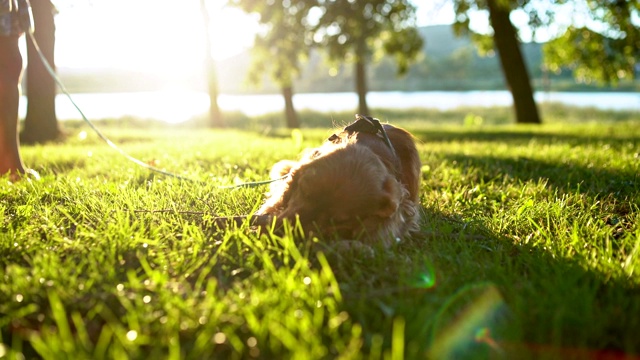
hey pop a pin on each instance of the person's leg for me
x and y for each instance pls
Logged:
(10, 72)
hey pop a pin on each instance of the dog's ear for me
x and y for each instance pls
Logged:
(389, 201)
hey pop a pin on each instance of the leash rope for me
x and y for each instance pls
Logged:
(141, 163)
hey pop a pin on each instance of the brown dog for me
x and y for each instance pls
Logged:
(360, 184)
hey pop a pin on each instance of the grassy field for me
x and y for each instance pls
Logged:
(530, 247)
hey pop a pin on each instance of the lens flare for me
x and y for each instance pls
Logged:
(471, 325)
(464, 324)
(426, 278)
(483, 335)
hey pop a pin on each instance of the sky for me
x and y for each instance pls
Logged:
(144, 34)
(151, 35)
(160, 36)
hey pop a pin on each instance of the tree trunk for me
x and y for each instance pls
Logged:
(289, 110)
(513, 66)
(361, 87)
(215, 116)
(41, 124)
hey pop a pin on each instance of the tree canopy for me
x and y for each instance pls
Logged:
(505, 40)
(359, 31)
(605, 48)
(598, 40)
(281, 47)
(355, 32)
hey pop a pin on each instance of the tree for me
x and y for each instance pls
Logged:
(357, 31)
(507, 45)
(41, 123)
(600, 42)
(280, 49)
(215, 115)
(606, 49)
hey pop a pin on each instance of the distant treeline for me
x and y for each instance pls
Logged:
(449, 63)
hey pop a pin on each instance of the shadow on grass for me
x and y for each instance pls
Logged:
(465, 292)
(567, 177)
(461, 290)
(513, 136)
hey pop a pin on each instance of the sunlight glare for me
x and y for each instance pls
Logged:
(147, 35)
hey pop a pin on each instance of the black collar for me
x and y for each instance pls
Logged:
(370, 125)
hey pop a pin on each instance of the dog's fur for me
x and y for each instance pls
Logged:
(351, 187)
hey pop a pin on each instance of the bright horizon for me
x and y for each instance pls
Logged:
(148, 35)
(158, 36)
(168, 41)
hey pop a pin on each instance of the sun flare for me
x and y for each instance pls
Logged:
(147, 35)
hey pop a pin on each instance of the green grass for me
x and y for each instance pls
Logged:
(530, 247)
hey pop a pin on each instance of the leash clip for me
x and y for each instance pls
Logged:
(371, 125)
(367, 124)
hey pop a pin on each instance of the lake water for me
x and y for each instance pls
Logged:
(178, 106)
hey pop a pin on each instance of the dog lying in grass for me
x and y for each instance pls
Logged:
(360, 184)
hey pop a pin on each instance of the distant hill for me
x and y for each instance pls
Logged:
(448, 63)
